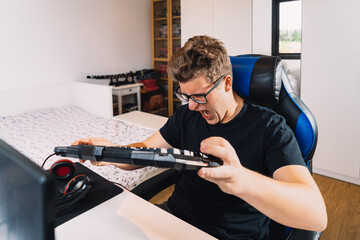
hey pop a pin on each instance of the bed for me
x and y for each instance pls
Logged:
(36, 133)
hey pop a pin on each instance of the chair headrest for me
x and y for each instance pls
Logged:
(257, 78)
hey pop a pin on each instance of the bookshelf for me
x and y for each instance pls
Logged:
(166, 39)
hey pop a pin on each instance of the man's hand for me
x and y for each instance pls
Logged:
(291, 197)
(228, 176)
(94, 141)
(105, 142)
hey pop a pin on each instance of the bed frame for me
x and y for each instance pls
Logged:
(93, 97)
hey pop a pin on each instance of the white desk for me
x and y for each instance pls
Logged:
(127, 216)
(143, 119)
(125, 90)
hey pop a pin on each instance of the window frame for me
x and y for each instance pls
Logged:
(276, 31)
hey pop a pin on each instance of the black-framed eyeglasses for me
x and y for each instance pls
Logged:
(198, 98)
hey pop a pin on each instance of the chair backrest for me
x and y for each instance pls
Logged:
(263, 80)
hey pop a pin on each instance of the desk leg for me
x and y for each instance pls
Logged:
(138, 99)
(120, 103)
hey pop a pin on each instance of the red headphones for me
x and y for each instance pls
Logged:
(63, 169)
(75, 188)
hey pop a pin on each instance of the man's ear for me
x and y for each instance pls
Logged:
(228, 83)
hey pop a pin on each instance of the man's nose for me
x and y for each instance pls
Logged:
(192, 104)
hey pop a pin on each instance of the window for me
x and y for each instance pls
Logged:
(286, 29)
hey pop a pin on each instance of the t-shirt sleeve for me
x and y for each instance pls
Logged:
(171, 130)
(282, 148)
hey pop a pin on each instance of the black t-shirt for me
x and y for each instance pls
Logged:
(263, 143)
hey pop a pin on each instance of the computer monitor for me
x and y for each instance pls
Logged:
(26, 197)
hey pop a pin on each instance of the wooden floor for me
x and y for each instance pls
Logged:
(342, 201)
(162, 196)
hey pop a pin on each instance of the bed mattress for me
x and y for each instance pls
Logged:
(36, 133)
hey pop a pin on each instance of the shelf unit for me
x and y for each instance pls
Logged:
(165, 41)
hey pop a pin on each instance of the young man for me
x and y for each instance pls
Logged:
(263, 176)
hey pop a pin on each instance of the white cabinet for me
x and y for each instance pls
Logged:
(97, 97)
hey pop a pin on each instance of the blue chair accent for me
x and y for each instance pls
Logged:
(244, 67)
(305, 133)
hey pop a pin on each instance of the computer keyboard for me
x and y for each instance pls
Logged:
(157, 157)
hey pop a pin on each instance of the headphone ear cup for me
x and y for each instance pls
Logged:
(63, 169)
(74, 190)
(76, 184)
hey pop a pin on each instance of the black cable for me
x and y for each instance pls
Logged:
(115, 183)
(47, 159)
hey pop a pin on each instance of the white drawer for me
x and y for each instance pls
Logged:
(128, 91)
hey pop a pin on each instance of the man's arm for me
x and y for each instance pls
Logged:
(291, 198)
(155, 141)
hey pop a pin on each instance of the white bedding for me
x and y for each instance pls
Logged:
(36, 133)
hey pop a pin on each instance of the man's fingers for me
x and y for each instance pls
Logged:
(83, 141)
(215, 150)
(93, 141)
(212, 174)
(215, 141)
(225, 154)
(213, 146)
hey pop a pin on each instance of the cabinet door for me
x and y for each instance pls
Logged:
(175, 44)
(160, 51)
(160, 30)
(166, 35)
(228, 20)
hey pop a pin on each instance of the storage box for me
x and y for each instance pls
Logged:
(152, 100)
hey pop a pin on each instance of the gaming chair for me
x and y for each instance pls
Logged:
(262, 80)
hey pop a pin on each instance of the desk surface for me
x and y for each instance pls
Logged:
(105, 83)
(143, 119)
(127, 216)
(130, 85)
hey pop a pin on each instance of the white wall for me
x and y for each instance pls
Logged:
(46, 43)
(227, 20)
(262, 12)
(331, 83)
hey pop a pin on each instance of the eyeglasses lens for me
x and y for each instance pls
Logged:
(197, 99)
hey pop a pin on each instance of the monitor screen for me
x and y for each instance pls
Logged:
(26, 197)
